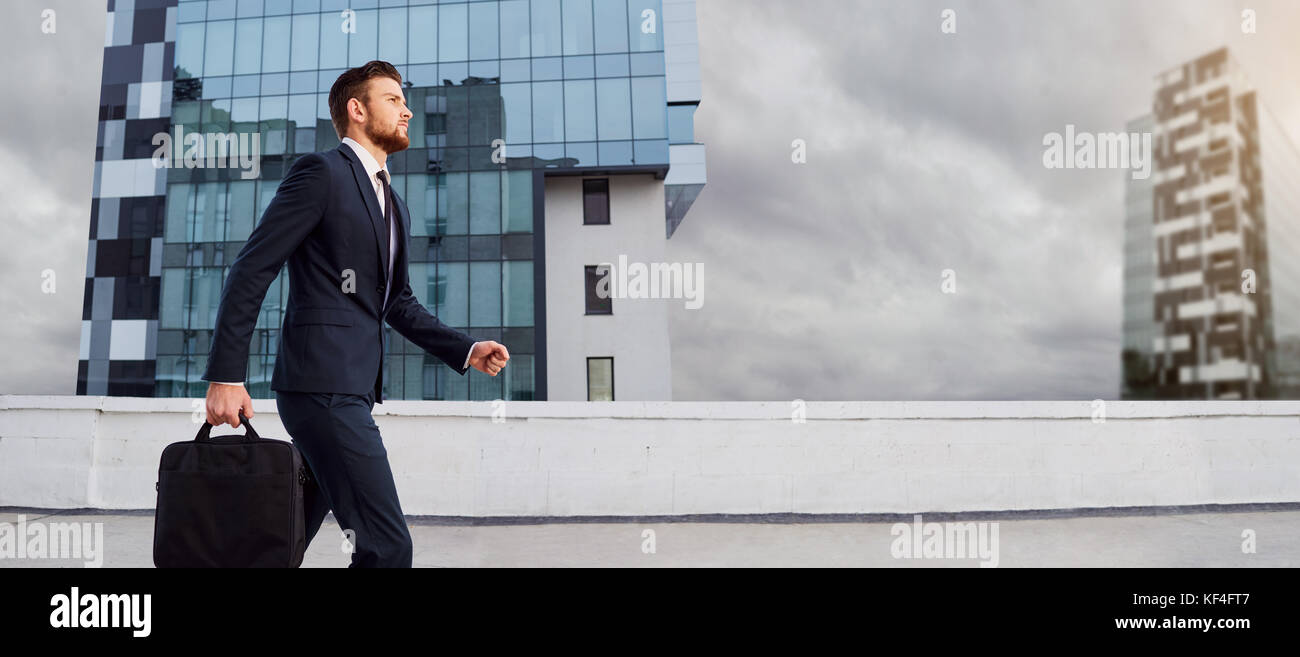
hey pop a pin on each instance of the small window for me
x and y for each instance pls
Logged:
(599, 298)
(595, 201)
(600, 379)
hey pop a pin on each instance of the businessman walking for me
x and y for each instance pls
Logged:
(344, 233)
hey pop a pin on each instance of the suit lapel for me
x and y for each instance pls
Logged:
(367, 192)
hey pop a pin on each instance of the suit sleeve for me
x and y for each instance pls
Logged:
(427, 332)
(294, 212)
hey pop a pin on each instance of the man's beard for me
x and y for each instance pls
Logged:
(390, 143)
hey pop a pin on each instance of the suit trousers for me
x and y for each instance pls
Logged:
(350, 474)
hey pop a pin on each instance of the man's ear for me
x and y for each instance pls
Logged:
(361, 108)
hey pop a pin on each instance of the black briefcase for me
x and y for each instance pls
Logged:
(230, 502)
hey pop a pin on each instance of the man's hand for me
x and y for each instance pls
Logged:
(225, 402)
(489, 357)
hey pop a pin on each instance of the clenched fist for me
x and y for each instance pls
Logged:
(489, 357)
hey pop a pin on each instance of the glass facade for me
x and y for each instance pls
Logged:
(501, 91)
(1139, 325)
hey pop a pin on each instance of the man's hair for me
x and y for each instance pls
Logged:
(354, 83)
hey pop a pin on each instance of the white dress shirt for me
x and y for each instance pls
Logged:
(372, 171)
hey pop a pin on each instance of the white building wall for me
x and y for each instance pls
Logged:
(636, 335)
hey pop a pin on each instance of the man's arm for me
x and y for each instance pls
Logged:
(427, 332)
(293, 213)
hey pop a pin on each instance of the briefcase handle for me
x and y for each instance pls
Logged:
(249, 434)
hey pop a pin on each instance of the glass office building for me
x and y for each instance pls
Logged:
(1212, 253)
(504, 92)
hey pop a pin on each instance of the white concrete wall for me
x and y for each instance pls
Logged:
(636, 335)
(681, 51)
(633, 458)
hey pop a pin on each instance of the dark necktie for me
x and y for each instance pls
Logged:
(388, 216)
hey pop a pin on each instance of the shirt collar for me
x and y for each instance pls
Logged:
(367, 160)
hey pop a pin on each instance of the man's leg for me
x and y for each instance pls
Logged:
(295, 412)
(339, 438)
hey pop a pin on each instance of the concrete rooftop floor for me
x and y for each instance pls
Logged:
(1151, 539)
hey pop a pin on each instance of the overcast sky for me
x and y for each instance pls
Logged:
(822, 280)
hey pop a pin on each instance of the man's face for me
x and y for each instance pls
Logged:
(387, 116)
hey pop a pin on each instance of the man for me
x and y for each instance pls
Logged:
(344, 232)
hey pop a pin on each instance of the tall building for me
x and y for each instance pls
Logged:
(1212, 244)
(548, 136)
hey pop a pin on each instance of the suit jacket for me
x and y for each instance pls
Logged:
(325, 221)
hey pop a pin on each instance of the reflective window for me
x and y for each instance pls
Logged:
(189, 50)
(392, 35)
(306, 33)
(242, 210)
(221, 9)
(248, 42)
(645, 27)
(580, 110)
(648, 120)
(650, 151)
(517, 201)
(333, 44)
(422, 31)
(579, 67)
(616, 153)
(483, 27)
(451, 293)
(581, 153)
(485, 202)
(514, 29)
(611, 25)
(178, 208)
(595, 201)
(485, 294)
(219, 53)
(453, 33)
(610, 66)
(577, 27)
(249, 8)
(599, 299)
(548, 111)
(363, 46)
(681, 124)
(246, 85)
(646, 63)
(546, 28)
(456, 198)
(548, 68)
(600, 379)
(518, 120)
(517, 288)
(613, 109)
(272, 117)
(172, 315)
(275, 44)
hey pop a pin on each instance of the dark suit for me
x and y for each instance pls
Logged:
(325, 221)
